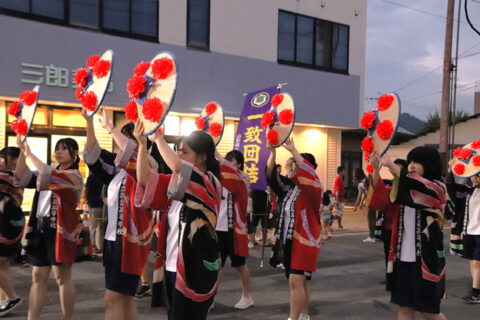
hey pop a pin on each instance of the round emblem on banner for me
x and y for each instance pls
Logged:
(260, 99)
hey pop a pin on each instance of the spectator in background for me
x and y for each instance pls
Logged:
(339, 193)
(360, 178)
(93, 194)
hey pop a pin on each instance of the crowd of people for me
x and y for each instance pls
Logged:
(194, 202)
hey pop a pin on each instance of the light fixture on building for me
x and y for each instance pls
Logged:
(60, 103)
(187, 126)
(356, 13)
(322, 4)
(172, 126)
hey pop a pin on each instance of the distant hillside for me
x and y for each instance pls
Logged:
(411, 123)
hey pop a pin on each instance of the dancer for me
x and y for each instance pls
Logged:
(299, 227)
(129, 229)
(54, 224)
(12, 223)
(232, 220)
(416, 266)
(191, 246)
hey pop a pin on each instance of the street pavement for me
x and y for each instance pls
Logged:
(346, 285)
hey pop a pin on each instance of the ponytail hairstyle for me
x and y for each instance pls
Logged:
(71, 145)
(238, 156)
(202, 143)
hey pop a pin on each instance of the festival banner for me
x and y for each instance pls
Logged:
(251, 138)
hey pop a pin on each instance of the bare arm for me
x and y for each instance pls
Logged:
(387, 162)
(117, 135)
(21, 162)
(142, 156)
(172, 160)
(290, 146)
(91, 138)
(219, 157)
(376, 169)
(271, 161)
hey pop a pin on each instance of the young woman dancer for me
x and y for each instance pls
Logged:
(192, 253)
(54, 224)
(232, 220)
(299, 228)
(129, 229)
(416, 266)
(12, 223)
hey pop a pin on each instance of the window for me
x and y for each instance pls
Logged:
(131, 18)
(198, 24)
(311, 42)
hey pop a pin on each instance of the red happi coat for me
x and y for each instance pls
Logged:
(305, 191)
(66, 186)
(235, 182)
(137, 222)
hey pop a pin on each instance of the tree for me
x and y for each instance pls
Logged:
(433, 120)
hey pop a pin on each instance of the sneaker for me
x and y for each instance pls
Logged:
(9, 305)
(472, 298)
(304, 317)
(370, 240)
(244, 303)
(143, 291)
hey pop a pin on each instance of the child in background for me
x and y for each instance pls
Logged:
(327, 214)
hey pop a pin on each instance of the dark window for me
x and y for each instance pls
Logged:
(17, 5)
(84, 13)
(131, 18)
(286, 36)
(198, 24)
(49, 8)
(116, 15)
(311, 42)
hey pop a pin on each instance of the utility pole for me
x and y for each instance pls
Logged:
(447, 64)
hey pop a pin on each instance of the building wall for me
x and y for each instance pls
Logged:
(249, 28)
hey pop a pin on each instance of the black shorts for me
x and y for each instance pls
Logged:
(115, 279)
(44, 255)
(471, 247)
(407, 290)
(254, 220)
(225, 243)
(7, 251)
(287, 251)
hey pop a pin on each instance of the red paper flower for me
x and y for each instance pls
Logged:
(385, 129)
(215, 129)
(200, 123)
(152, 109)
(162, 67)
(211, 108)
(13, 109)
(465, 154)
(28, 97)
(268, 119)
(277, 99)
(141, 68)
(367, 120)
(160, 131)
(131, 112)
(476, 144)
(285, 116)
(367, 145)
(81, 77)
(370, 168)
(272, 137)
(20, 127)
(456, 152)
(92, 60)
(366, 156)
(135, 86)
(384, 102)
(476, 161)
(79, 93)
(459, 169)
(89, 100)
(101, 68)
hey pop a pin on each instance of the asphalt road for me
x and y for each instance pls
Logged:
(345, 286)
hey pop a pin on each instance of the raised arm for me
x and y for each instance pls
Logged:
(142, 157)
(117, 135)
(269, 170)
(172, 160)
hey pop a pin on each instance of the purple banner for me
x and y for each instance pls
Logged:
(251, 138)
